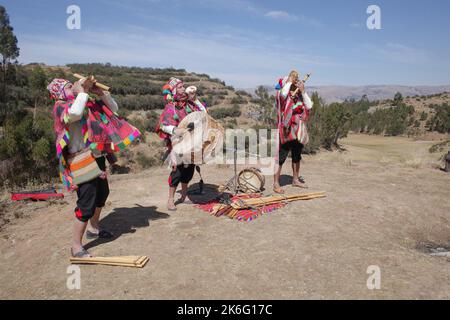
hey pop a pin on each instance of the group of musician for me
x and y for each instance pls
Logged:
(75, 124)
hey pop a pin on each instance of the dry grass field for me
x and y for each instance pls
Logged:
(387, 205)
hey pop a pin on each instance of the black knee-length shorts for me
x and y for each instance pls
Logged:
(296, 151)
(182, 174)
(92, 195)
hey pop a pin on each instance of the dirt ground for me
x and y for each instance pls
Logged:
(386, 204)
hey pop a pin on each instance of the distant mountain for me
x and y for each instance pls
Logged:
(373, 92)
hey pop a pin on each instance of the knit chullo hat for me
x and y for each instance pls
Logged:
(56, 89)
(170, 88)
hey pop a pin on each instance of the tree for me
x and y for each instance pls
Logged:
(38, 80)
(398, 99)
(266, 110)
(423, 116)
(315, 124)
(8, 49)
(336, 123)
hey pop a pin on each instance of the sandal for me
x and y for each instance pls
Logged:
(301, 185)
(278, 190)
(80, 254)
(102, 234)
(170, 208)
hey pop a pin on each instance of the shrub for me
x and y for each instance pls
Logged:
(145, 161)
(423, 116)
(238, 100)
(440, 121)
(29, 144)
(152, 121)
(243, 93)
(41, 152)
(221, 113)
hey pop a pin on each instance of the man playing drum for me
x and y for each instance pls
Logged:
(180, 103)
(293, 105)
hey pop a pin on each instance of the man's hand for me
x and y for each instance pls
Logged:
(179, 131)
(301, 87)
(82, 85)
(78, 87)
(96, 90)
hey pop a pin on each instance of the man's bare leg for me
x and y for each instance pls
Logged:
(184, 188)
(170, 202)
(276, 180)
(296, 174)
(94, 221)
(79, 228)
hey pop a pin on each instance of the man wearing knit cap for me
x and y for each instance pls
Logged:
(88, 132)
(180, 103)
(72, 128)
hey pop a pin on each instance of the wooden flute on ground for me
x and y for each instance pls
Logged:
(97, 84)
(125, 261)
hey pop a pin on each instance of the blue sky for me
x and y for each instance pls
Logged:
(246, 43)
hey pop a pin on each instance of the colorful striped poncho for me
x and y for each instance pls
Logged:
(173, 113)
(292, 116)
(103, 131)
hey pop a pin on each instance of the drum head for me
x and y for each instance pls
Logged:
(189, 147)
(198, 145)
(251, 181)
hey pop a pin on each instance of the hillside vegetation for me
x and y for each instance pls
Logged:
(26, 125)
(412, 116)
(27, 152)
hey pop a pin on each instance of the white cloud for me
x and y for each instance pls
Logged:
(281, 15)
(290, 17)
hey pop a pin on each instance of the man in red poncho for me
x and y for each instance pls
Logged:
(84, 124)
(293, 105)
(180, 103)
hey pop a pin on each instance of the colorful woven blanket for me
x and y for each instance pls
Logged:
(242, 215)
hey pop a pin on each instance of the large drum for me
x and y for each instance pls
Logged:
(251, 180)
(198, 145)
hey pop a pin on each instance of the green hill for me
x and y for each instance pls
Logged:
(27, 152)
(26, 132)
